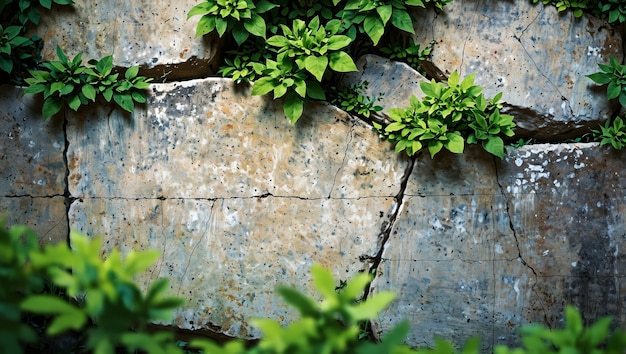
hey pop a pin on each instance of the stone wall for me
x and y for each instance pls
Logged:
(240, 201)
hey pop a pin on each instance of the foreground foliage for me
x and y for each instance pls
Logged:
(80, 292)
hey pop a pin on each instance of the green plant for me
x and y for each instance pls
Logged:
(447, 117)
(19, 51)
(10, 42)
(329, 326)
(614, 75)
(613, 132)
(69, 82)
(102, 299)
(240, 17)
(613, 11)
(18, 280)
(411, 53)
(522, 142)
(304, 55)
(352, 100)
(372, 17)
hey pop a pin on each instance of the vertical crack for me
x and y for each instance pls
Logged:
(68, 199)
(345, 154)
(387, 227)
(514, 232)
(193, 250)
(384, 236)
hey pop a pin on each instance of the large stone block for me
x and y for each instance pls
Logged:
(153, 34)
(509, 243)
(536, 57)
(238, 199)
(207, 139)
(225, 257)
(32, 149)
(33, 171)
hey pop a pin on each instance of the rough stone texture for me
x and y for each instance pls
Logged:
(390, 81)
(509, 243)
(238, 199)
(537, 57)
(153, 34)
(33, 172)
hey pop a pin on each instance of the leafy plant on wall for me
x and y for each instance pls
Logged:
(19, 51)
(69, 82)
(310, 41)
(448, 117)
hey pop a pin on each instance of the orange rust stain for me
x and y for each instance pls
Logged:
(183, 53)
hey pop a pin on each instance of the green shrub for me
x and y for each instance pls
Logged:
(449, 116)
(613, 74)
(613, 11)
(613, 132)
(20, 52)
(69, 82)
(310, 41)
(100, 297)
(329, 326)
(352, 100)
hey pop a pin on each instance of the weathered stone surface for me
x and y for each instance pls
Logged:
(205, 139)
(238, 199)
(33, 172)
(390, 82)
(32, 149)
(485, 246)
(226, 256)
(153, 34)
(47, 216)
(537, 57)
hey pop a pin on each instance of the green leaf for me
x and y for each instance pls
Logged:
(385, 13)
(51, 106)
(338, 42)
(374, 28)
(200, 9)
(315, 91)
(263, 86)
(316, 66)
(6, 65)
(434, 147)
(255, 25)
(124, 100)
(205, 25)
(323, 280)
(89, 91)
(371, 307)
(341, 62)
(278, 41)
(494, 145)
(46, 3)
(455, 143)
(401, 20)
(293, 107)
(305, 305)
(131, 73)
(613, 90)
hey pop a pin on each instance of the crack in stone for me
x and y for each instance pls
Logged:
(193, 250)
(384, 236)
(519, 39)
(33, 196)
(66, 179)
(345, 155)
(387, 226)
(520, 258)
